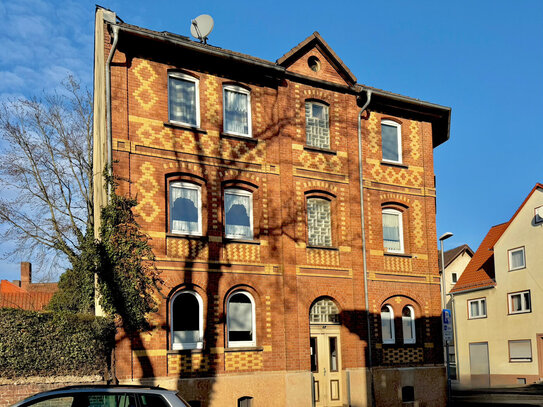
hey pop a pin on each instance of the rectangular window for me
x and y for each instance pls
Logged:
(520, 351)
(238, 214)
(237, 111)
(317, 128)
(318, 222)
(517, 259)
(185, 208)
(391, 135)
(454, 277)
(392, 231)
(519, 302)
(477, 308)
(183, 100)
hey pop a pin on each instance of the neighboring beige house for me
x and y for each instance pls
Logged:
(498, 302)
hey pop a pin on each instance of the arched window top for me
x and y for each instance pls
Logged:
(324, 311)
(241, 322)
(393, 230)
(408, 324)
(387, 324)
(408, 311)
(186, 311)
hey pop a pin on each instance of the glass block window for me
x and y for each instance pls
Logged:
(183, 103)
(324, 311)
(237, 111)
(318, 222)
(185, 208)
(317, 126)
(238, 210)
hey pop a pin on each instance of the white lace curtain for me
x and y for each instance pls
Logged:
(391, 231)
(238, 213)
(184, 210)
(236, 112)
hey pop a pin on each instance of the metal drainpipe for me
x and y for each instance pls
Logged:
(359, 117)
(115, 35)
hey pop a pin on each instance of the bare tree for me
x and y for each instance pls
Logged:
(46, 203)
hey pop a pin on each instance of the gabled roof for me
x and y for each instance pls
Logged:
(452, 254)
(479, 272)
(7, 287)
(315, 40)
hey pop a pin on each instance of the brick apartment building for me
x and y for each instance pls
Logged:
(248, 178)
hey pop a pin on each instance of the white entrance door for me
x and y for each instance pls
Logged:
(326, 365)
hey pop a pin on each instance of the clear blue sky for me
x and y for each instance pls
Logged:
(482, 58)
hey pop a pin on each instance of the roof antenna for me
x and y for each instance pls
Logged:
(201, 27)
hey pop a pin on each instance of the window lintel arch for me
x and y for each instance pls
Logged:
(324, 310)
(183, 74)
(320, 193)
(393, 121)
(318, 101)
(239, 184)
(237, 86)
(185, 177)
(396, 205)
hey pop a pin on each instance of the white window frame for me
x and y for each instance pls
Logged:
(185, 77)
(187, 185)
(411, 321)
(398, 127)
(479, 302)
(188, 345)
(319, 198)
(517, 360)
(390, 211)
(454, 277)
(391, 322)
(327, 109)
(524, 308)
(237, 89)
(510, 257)
(241, 192)
(237, 344)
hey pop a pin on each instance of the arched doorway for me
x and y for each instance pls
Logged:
(325, 353)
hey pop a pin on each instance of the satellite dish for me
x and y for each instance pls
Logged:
(201, 27)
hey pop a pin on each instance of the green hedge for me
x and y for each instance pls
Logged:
(53, 344)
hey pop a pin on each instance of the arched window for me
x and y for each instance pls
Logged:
(408, 324)
(238, 213)
(319, 222)
(240, 321)
(387, 324)
(317, 126)
(185, 208)
(324, 311)
(391, 137)
(393, 231)
(186, 320)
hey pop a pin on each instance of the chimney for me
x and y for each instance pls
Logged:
(26, 273)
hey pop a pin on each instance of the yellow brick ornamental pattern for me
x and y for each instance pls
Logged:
(393, 356)
(212, 98)
(188, 363)
(323, 257)
(415, 140)
(242, 252)
(318, 161)
(147, 188)
(243, 361)
(418, 224)
(144, 94)
(187, 249)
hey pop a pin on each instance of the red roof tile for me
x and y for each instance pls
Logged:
(7, 287)
(31, 301)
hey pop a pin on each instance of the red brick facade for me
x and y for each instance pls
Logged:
(282, 274)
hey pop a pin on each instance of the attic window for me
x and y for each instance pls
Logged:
(314, 63)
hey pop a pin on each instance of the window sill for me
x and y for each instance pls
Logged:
(186, 236)
(406, 256)
(332, 248)
(185, 127)
(245, 349)
(518, 268)
(320, 150)
(183, 351)
(236, 240)
(393, 164)
(520, 312)
(238, 137)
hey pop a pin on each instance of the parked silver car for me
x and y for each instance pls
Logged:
(105, 396)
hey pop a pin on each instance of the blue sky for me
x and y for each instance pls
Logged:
(482, 58)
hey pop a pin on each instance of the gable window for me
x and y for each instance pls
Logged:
(317, 126)
(517, 259)
(520, 351)
(391, 136)
(477, 308)
(319, 223)
(387, 324)
(519, 302)
(392, 231)
(238, 213)
(454, 277)
(186, 320)
(185, 208)
(237, 110)
(408, 324)
(183, 100)
(241, 320)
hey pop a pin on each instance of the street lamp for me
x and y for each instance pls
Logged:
(443, 237)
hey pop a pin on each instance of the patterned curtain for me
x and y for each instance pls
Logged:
(184, 210)
(238, 212)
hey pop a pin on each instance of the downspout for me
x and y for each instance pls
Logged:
(109, 135)
(362, 219)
